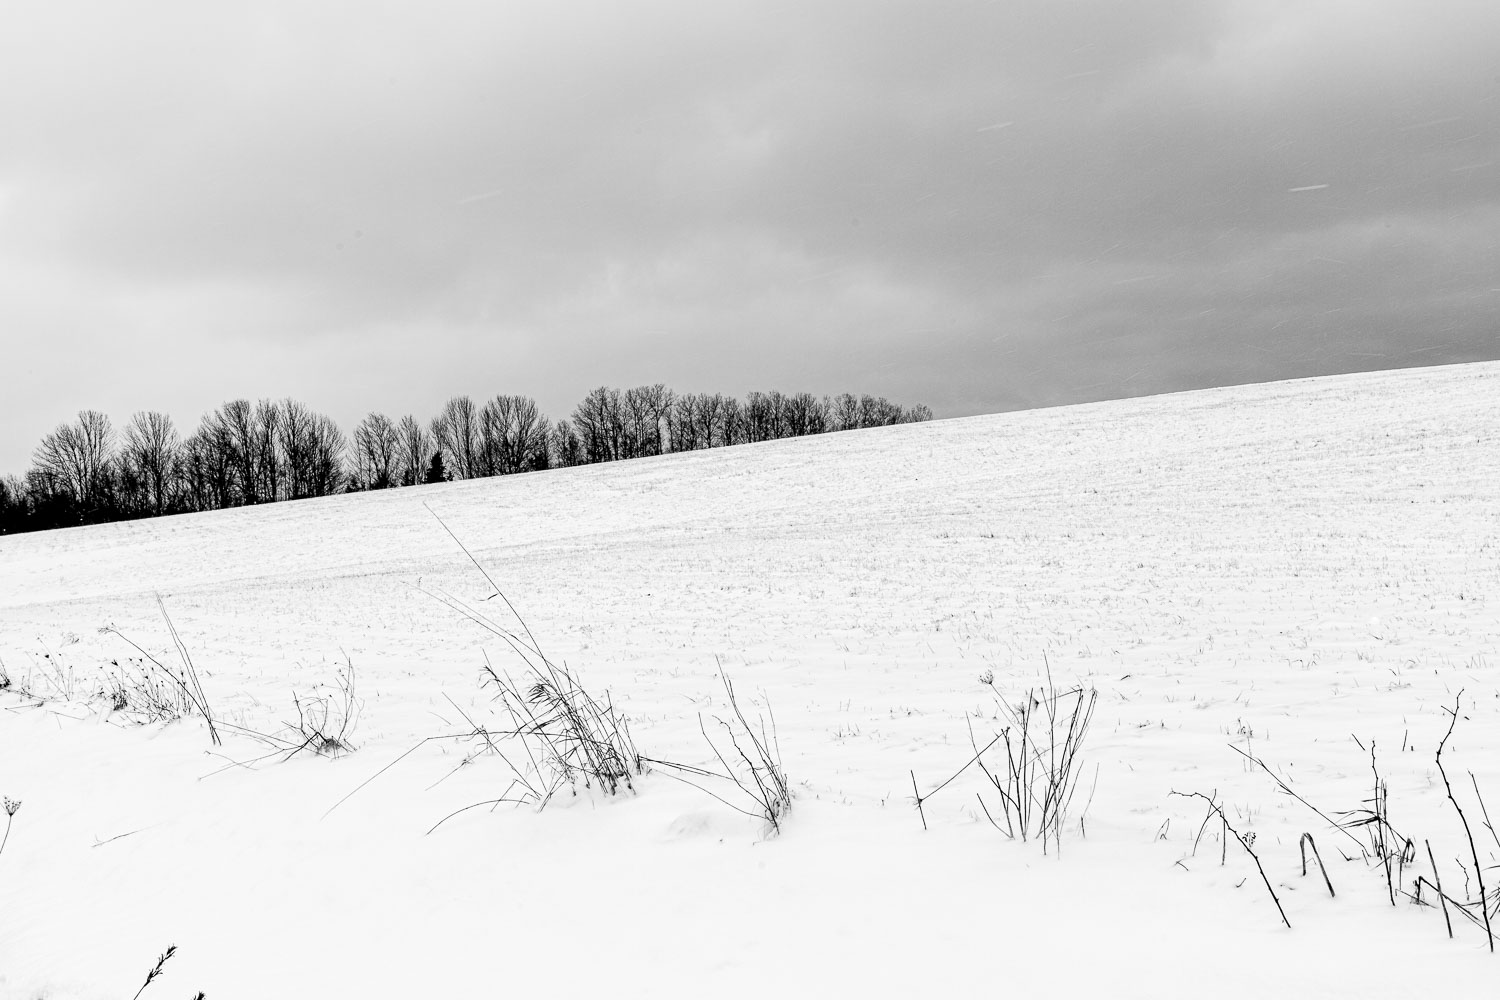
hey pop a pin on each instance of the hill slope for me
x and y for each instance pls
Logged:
(1277, 566)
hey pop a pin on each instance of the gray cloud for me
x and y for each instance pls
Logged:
(975, 205)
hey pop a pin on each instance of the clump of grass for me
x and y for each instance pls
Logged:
(142, 692)
(1032, 765)
(566, 736)
(1390, 849)
(1393, 854)
(570, 737)
(751, 763)
(183, 682)
(325, 722)
(556, 733)
(49, 679)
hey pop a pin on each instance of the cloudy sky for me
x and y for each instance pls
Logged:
(979, 206)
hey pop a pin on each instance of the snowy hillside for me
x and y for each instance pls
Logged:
(1300, 569)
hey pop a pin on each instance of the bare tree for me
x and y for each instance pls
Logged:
(526, 445)
(74, 461)
(843, 412)
(376, 446)
(758, 419)
(243, 450)
(149, 458)
(15, 505)
(600, 423)
(661, 400)
(877, 411)
(733, 425)
(824, 415)
(234, 432)
(778, 403)
(456, 430)
(311, 449)
(294, 444)
(270, 473)
(711, 420)
(920, 413)
(803, 413)
(645, 412)
(494, 417)
(512, 436)
(193, 474)
(326, 467)
(533, 446)
(52, 504)
(414, 451)
(705, 421)
(684, 426)
(564, 445)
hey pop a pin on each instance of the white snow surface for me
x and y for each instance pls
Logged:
(1283, 567)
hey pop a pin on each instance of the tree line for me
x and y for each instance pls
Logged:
(243, 453)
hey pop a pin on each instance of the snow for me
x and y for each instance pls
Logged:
(1285, 567)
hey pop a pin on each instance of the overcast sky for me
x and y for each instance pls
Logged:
(979, 206)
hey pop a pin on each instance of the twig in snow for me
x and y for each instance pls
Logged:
(1213, 807)
(1473, 851)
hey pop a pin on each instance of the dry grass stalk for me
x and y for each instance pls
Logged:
(1303, 844)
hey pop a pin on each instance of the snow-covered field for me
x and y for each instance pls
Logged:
(1282, 567)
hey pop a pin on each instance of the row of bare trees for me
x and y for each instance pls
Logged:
(651, 420)
(240, 454)
(247, 453)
